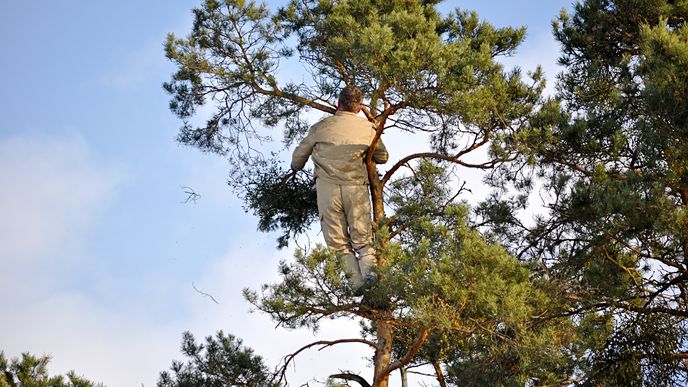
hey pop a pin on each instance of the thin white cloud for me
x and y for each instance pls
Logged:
(53, 192)
(78, 334)
(143, 65)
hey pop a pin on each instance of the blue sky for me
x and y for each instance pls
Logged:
(98, 253)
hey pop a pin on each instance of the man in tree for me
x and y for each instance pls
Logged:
(337, 145)
(448, 297)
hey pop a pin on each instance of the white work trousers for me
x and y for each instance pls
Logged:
(346, 225)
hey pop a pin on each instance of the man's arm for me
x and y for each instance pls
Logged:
(380, 155)
(303, 151)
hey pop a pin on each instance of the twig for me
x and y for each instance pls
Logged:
(204, 293)
(191, 195)
(288, 177)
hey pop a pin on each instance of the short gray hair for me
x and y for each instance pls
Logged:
(350, 98)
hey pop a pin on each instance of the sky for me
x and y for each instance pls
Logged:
(101, 260)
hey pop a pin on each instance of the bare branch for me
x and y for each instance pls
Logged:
(438, 156)
(204, 293)
(324, 343)
(191, 195)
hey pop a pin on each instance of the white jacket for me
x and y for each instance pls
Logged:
(337, 145)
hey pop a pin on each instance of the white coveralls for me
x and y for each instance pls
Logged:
(337, 145)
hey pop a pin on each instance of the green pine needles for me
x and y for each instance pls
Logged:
(477, 296)
(282, 201)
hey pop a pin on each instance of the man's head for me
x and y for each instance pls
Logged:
(350, 99)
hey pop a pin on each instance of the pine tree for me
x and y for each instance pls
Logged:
(222, 361)
(446, 297)
(33, 371)
(613, 154)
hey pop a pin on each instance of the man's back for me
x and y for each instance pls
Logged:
(337, 145)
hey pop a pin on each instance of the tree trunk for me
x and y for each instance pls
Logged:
(404, 377)
(383, 353)
(375, 184)
(376, 192)
(684, 204)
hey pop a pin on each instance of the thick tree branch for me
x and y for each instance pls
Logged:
(438, 156)
(439, 374)
(413, 349)
(353, 377)
(297, 99)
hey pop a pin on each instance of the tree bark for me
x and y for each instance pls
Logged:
(374, 180)
(383, 353)
(438, 372)
(684, 204)
(385, 337)
(404, 377)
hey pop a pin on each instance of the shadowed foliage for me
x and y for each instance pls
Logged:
(613, 162)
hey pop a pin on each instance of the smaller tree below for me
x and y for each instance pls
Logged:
(221, 361)
(32, 371)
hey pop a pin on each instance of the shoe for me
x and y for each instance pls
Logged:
(368, 282)
(369, 279)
